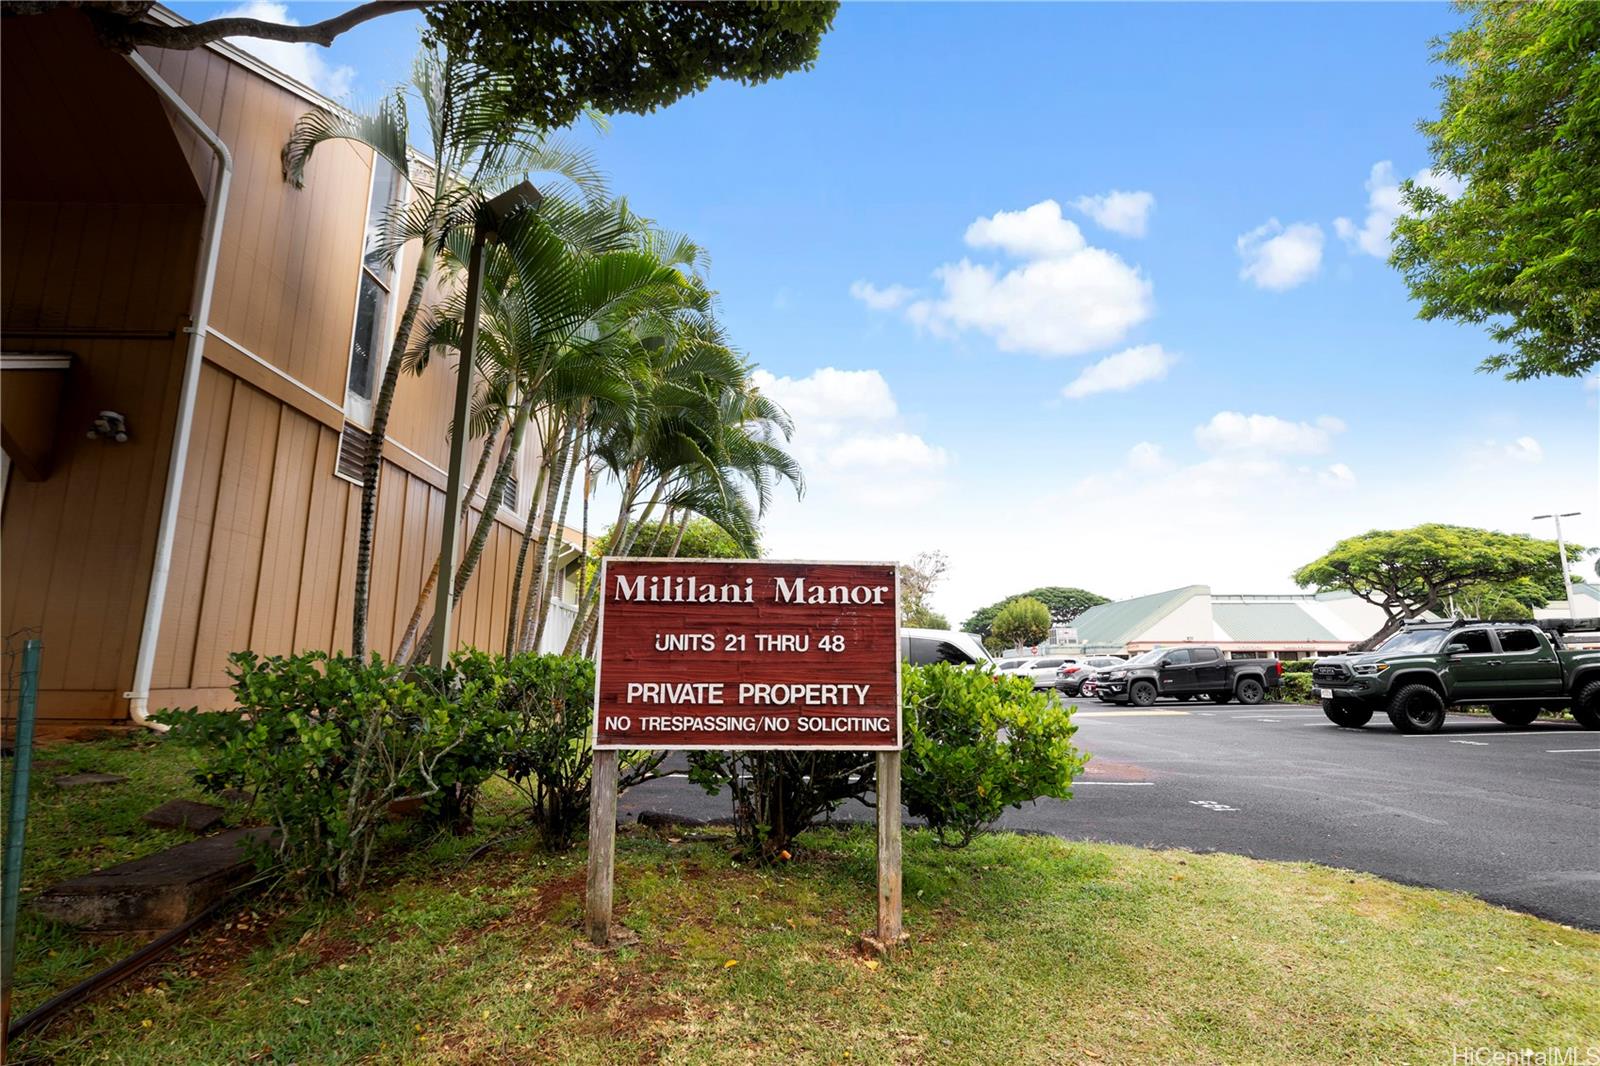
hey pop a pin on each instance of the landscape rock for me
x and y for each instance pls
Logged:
(84, 780)
(184, 814)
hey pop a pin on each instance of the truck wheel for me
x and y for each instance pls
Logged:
(1142, 693)
(1346, 716)
(1586, 708)
(1221, 697)
(1513, 715)
(1416, 709)
(1249, 691)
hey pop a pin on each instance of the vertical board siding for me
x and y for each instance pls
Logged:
(77, 547)
(266, 533)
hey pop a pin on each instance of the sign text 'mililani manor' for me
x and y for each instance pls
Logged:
(645, 588)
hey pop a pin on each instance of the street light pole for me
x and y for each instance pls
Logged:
(490, 218)
(1561, 548)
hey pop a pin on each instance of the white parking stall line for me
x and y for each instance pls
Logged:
(1566, 751)
(1213, 805)
(1125, 784)
(1492, 736)
(1477, 743)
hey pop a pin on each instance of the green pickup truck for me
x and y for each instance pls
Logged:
(1516, 669)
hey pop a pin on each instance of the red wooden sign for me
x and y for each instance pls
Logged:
(748, 653)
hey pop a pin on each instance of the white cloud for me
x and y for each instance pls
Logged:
(891, 451)
(1384, 206)
(1147, 458)
(1037, 232)
(1230, 431)
(885, 299)
(1278, 257)
(1524, 450)
(829, 396)
(302, 62)
(1066, 297)
(1127, 213)
(849, 440)
(1122, 371)
(1337, 475)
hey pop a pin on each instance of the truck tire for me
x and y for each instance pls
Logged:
(1249, 691)
(1586, 706)
(1514, 715)
(1141, 693)
(1346, 716)
(1416, 709)
(1220, 697)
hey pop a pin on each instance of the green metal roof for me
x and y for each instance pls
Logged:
(1122, 621)
(1268, 622)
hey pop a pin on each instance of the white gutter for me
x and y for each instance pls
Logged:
(205, 282)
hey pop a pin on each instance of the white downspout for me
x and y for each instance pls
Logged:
(199, 319)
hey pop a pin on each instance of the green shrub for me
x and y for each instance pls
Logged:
(1298, 666)
(547, 704)
(326, 744)
(1295, 688)
(778, 794)
(976, 745)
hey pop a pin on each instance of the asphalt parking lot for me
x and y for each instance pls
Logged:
(1510, 815)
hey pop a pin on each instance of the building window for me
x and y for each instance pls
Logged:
(374, 296)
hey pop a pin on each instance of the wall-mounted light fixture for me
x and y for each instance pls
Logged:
(109, 425)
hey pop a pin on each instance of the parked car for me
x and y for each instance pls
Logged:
(1417, 675)
(919, 647)
(1188, 672)
(1010, 666)
(1043, 670)
(1071, 678)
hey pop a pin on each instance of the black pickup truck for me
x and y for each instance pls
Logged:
(1516, 669)
(1184, 673)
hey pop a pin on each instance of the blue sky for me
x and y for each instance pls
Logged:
(907, 216)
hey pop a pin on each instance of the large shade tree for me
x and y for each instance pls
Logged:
(1064, 605)
(1518, 250)
(561, 58)
(1412, 572)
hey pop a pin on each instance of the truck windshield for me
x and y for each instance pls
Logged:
(1412, 642)
(1145, 658)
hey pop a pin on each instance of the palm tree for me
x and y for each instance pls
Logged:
(703, 440)
(476, 148)
(554, 335)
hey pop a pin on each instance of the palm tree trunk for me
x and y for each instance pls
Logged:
(480, 534)
(683, 526)
(580, 624)
(374, 460)
(552, 576)
(523, 622)
(512, 613)
(403, 652)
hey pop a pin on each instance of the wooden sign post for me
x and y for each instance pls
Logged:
(747, 654)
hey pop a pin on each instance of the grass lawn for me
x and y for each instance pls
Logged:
(1024, 949)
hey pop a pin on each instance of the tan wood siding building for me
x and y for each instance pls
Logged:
(104, 198)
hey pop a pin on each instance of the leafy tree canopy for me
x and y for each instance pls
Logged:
(1409, 572)
(1519, 248)
(1064, 604)
(702, 539)
(917, 579)
(562, 58)
(1023, 621)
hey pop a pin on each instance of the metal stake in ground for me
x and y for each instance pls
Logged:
(16, 829)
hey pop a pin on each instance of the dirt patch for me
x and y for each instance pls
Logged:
(336, 949)
(533, 913)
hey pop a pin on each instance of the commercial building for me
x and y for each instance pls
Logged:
(1282, 626)
(115, 171)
